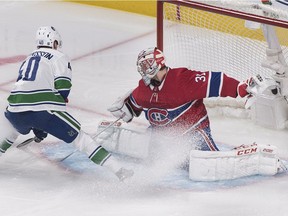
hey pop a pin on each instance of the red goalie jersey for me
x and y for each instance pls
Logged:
(178, 101)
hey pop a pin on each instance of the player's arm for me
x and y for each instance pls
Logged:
(222, 85)
(63, 74)
(253, 86)
(210, 84)
(218, 84)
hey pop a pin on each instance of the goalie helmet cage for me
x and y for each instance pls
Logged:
(221, 36)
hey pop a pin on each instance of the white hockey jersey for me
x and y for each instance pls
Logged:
(43, 75)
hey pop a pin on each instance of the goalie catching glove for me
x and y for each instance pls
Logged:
(256, 85)
(121, 109)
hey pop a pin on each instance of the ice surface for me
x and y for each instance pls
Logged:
(103, 45)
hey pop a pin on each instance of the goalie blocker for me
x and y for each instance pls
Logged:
(240, 162)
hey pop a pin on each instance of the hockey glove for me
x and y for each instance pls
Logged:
(120, 109)
(39, 135)
(256, 85)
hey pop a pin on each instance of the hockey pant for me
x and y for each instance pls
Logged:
(201, 139)
(59, 124)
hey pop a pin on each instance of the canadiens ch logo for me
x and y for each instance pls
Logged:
(158, 117)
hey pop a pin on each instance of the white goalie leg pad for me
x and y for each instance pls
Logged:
(118, 139)
(225, 165)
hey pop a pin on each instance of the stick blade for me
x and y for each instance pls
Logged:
(26, 142)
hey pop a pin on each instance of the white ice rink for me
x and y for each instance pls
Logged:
(103, 45)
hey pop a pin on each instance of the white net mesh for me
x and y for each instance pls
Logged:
(208, 41)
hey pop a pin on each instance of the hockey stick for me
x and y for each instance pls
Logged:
(110, 125)
(26, 142)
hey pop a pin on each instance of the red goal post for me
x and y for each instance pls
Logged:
(221, 35)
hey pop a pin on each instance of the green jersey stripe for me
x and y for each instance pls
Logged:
(62, 84)
(68, 119)
(34, 98)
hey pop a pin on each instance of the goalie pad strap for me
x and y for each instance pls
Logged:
(225, 165)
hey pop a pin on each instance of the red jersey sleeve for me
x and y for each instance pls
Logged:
(229, 87)
(199, 85)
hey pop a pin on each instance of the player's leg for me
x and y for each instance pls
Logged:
(15, 128)
(202, 139)
(246, 160)
(63, 126)
(9, 140)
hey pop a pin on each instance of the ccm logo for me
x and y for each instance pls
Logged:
(247, 151)
(107, 123)
(267, 150)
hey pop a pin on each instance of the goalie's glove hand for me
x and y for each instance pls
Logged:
(39, 135)
(256, 85)
(121, 109)
(259, 85)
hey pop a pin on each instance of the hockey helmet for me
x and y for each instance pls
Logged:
(46, 36)
(149, 63)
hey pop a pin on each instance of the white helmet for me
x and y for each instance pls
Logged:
(149, 63)
(46, 36)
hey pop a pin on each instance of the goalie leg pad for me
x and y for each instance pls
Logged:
(225, 165)
(123, 141)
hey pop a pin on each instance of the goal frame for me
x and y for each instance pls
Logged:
(265, 109)
(209, 8)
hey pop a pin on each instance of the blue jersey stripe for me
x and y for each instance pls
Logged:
(215, 83)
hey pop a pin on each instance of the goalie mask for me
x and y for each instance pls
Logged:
(149, 63)
(45, 36)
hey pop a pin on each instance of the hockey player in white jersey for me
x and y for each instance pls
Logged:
(38, 102)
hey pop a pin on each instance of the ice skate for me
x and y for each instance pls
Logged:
(123, 174)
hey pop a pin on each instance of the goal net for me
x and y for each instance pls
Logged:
(220, 36)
